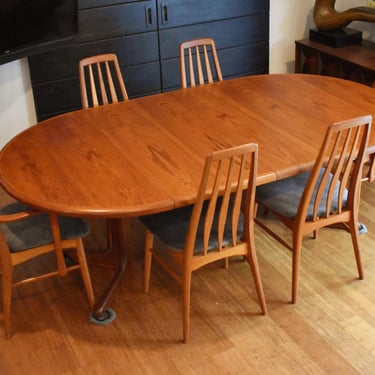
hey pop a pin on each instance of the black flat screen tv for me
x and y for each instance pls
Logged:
(32, 26)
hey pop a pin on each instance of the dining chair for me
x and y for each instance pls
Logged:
(100, 86)
(201, 68)
(218, 225)
(26, 234)
(329, 195)
(101, 80)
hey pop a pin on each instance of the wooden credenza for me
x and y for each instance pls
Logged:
(145, 35)
(355, 62)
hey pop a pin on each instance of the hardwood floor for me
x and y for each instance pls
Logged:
(331, 330)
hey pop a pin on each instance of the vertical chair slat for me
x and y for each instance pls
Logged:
(191, 69)
(199, 66)
(112, 89)
(208, 65)
(93, 90)
(101, 84)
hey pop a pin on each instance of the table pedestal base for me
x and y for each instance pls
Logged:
(120, 229)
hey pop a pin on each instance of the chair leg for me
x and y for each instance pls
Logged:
(7, 286)
(254, 266)
(357, 247)
(149, 243)
(85, 273)
(186, 287)
(297, 250)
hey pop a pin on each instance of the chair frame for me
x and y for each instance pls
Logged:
(342, 154)
(8, 260)
(196, 45)
(211, 187)
(102, 64)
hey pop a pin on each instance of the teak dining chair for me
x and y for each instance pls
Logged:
(200, 67)
(214, 228)
(99, 86)
(327, 196)
(26, 234)
(101, 80)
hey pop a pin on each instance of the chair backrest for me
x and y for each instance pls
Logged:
(335, 181)
(101, 80)
(219, 211)
(199, 63)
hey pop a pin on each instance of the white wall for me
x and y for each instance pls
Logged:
(290, 20)
(16, 99)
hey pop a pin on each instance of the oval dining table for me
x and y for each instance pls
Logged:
(146, 155)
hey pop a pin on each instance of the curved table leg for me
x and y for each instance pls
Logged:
(119, 231)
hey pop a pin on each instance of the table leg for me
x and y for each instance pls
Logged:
(120, 231)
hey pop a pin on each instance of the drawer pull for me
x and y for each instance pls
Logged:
(149, 18)
(164, 13)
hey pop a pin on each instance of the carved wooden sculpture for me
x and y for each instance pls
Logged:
(326, 18)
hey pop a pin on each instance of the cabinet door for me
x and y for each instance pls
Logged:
(126, 28)
(227, 33)
(173, 13)
(240, 29)
(55, 78)
(116, 20)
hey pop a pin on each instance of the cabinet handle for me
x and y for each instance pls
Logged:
(149, 18)
(164, 13)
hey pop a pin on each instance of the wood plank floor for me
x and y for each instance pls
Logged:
(331, 330)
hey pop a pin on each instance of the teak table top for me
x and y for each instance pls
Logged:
(146, 155)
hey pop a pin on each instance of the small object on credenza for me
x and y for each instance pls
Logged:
(336, 38)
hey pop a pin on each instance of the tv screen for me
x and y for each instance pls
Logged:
(32, 26)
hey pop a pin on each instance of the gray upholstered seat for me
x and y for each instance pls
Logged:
(36, 230)
(284, 196)
(172, 226)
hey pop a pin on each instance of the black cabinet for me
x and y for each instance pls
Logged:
(145, 36)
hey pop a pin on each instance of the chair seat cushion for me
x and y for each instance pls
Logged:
(284, 196)
(36, 230)
(171, 227)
